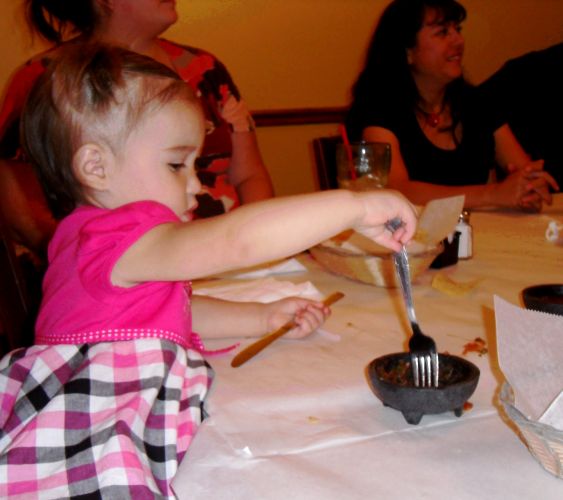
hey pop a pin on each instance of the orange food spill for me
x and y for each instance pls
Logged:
(478, 345)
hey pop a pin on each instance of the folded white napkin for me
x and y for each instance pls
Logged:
(270, 269)
(261, 290)
(529, 351)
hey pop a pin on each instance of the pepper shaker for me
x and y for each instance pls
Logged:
(465, 248)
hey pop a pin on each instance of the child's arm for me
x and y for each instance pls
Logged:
(260, 232)
(215, 318)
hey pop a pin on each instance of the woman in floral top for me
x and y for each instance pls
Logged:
(230, 168)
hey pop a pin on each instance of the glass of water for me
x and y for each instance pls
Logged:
(362, 166)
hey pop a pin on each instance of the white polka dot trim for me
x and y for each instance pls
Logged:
(109, 335)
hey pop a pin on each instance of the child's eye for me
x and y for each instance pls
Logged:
(176, 166)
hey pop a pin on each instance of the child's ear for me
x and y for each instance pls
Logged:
(90, 164)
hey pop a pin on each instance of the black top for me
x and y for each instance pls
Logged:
(469, 163)
(528, 92)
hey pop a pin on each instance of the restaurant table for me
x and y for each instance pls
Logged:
(299, 421)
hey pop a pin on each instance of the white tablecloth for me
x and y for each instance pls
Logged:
(299, 421)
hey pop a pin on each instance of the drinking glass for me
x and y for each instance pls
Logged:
(362, 166)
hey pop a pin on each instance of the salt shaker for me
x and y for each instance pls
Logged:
(465, 248)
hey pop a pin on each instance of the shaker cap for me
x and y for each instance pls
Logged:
(464, 216)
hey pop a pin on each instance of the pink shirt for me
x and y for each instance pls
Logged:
(80, 305)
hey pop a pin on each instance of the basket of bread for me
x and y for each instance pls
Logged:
(355, 256)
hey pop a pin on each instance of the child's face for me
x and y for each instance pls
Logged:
(157, 161)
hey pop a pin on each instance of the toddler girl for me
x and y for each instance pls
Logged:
(108, 399)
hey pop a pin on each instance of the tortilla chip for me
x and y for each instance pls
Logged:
(450, 287)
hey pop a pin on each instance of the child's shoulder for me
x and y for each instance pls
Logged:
(94, 228)
(130, 213)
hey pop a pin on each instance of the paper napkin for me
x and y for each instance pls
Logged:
(262, 290)
(439, 218)
(270, 269)
(530, 347)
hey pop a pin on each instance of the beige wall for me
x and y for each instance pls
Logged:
(306, 53)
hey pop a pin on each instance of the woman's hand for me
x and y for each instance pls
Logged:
(540, 181)
(533, 185)
(308, 315)
(512, 192)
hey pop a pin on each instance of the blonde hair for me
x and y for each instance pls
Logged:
(90, 92)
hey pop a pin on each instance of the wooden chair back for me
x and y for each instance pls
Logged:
(17, 310)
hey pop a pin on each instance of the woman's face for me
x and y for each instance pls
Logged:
(150, 17)
(438, 51)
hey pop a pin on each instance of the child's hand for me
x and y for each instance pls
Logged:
(307, 314)
(381, 206)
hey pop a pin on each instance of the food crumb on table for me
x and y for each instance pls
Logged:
(477, 345)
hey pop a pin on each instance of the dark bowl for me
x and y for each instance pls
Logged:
(391, 380)
(545, 298)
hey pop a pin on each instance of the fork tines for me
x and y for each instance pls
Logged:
(425, 369)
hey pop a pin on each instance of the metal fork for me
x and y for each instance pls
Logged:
(424, 358)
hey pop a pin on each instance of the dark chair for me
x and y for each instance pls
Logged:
(19, 298)
(324, 149)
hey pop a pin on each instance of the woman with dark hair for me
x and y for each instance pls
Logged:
(412, 94)
(230, 167)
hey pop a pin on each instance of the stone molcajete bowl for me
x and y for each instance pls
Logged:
(391, 380)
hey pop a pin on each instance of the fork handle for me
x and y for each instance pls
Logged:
(403, 273)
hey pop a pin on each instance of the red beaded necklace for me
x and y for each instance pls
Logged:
(431, 119)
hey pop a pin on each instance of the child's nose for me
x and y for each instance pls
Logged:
(193, 186)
